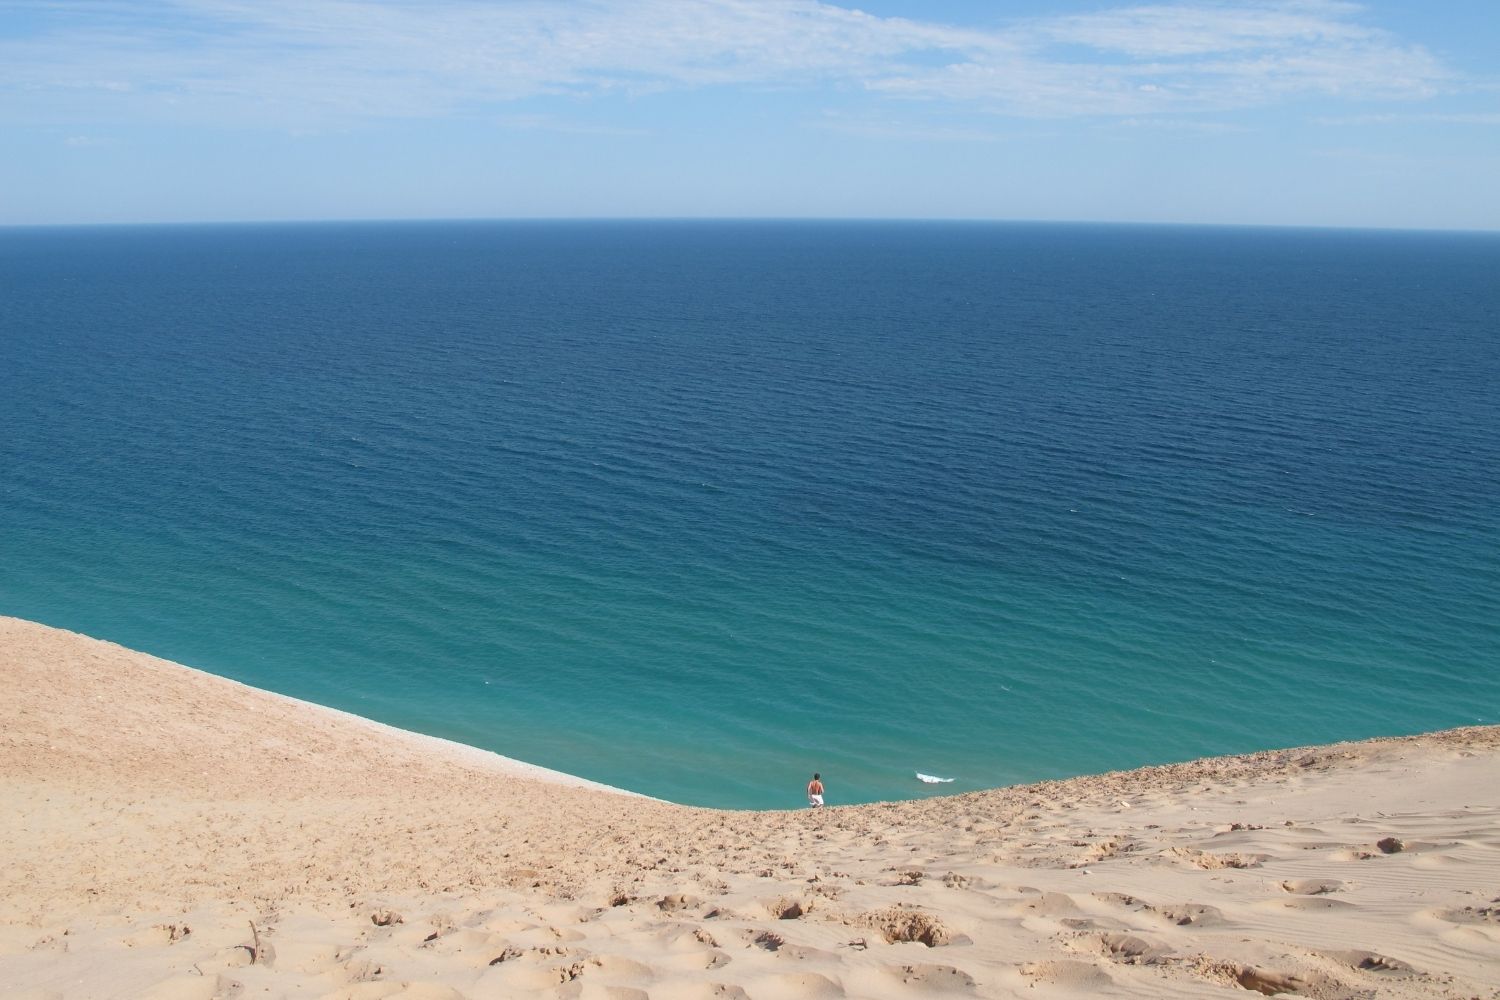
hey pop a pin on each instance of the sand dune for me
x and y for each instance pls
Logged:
(170, 834)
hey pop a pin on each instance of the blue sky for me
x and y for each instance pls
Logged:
(1281, 112)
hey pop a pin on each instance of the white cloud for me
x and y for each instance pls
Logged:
(300, 63)
(551, 123)
(1186, 59)
(903, 130)
(1177, 30)
(1197, 125)
(1459, 118)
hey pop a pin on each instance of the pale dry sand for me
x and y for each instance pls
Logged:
(152, 814)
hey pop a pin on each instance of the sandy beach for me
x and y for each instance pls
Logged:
(171, 834)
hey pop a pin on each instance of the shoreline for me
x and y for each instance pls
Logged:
(469, 755)
(175, 835)
(460, 753)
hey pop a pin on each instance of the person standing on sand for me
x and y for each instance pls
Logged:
(815, 791)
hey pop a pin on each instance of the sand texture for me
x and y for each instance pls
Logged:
(170, 834)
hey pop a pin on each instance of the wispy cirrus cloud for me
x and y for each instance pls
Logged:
(1161, 31)
(292, 64)
(1440, 118)
(552, 123)
(903, 129)
(1159, 124)
(1186, 58)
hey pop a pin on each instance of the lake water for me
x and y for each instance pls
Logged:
(698, 508)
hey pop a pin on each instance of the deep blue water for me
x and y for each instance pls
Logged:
(699, 508)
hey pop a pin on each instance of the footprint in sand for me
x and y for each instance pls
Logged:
(709, 958)
(697, 991)
(1487, 915)
(1094, 924)
(1312, 886)
(1436, 861)
(1369, 961)
(426, 991)
(721, 913)
(507, 925)
(1304, 904)
(1387, 846)
(307, 956)
(944, 979)
(1269, 981)
(1126, 949)
(228, 958)
(1213, 862)
(481, 945)
(539, 937)
(50, 942)
(1250, 977)
(787, 907)
(1067, 974)
(677, 901)
(159, 936)
(897, 924)
(689, 949)
(767, 940)
(618, 967)
(361, 970)
(189, 987)
(1120, 899)
(595, 991)
(778, 945)
(794, 986)
(1047, 904)
(802, 953)
(1189, 914)
(529, 972)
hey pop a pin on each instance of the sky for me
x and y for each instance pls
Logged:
(1384, 113)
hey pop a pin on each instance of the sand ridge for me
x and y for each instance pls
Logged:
(167, 833)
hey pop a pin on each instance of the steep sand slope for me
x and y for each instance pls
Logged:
(167, 833)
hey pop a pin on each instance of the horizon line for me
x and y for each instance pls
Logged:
(918, 220)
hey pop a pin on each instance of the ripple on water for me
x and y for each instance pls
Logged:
(697, 509)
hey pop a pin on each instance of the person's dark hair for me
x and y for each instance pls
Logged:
(817, 776)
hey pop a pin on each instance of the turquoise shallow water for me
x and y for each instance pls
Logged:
(699, 508)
